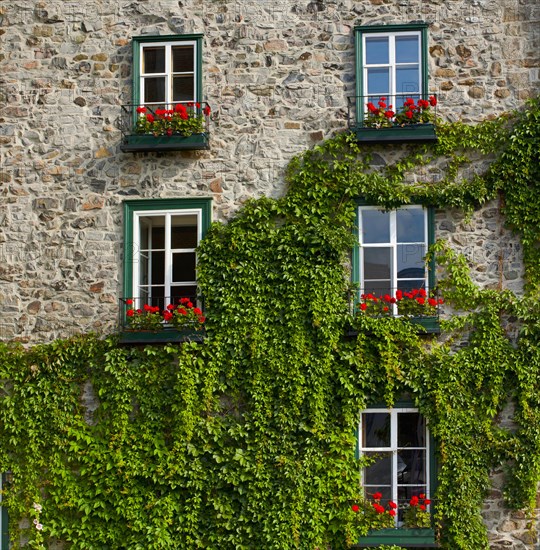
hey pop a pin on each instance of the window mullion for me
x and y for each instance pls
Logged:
(392, 62)
(393, 445)
(136, 257)
(168, 257)
(168, 77)
(393, 244)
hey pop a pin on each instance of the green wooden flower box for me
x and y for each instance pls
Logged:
(135, 143)
(411, 538)
(164, 336)
(397, 134)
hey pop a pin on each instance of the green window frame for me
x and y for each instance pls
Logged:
(387, 75)
(166, 66)
(4, 534)
(179, 225)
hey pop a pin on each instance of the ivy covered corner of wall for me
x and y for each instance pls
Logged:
(246, 440)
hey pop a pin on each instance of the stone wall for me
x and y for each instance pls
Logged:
(277, 74)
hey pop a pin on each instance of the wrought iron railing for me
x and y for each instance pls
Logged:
(412, 303)
(391, 111)
(165, 119)
(155, 313)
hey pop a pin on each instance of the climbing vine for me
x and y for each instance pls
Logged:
(246, 440)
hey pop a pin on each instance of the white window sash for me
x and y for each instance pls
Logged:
(168, 250)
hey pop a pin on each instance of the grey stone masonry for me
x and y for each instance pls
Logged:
(277, 74)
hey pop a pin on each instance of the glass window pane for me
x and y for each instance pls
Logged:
(375, 226)
(183, 291)
(378, 81)
(153, 59)
(144, 227)
(157, 263)
(155, 296)
(407, 286)
(380, 472)
(143, 270)
(411, 467)
(407, 50)
(158, 238)
(183, 267)
(385, 491)
(184, 231)
(377, 50)
(184, 88)
(411, 430)
(410, 260)
(377, 288)
(182, 59)
(377, 263)
(410, 225)
(375, 430)
(154, 89)
(407, 80)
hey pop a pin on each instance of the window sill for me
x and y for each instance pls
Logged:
(165, 336)
(137, 143)
(407, 538)
(414, 133)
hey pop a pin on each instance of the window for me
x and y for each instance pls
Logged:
(392, 247)
(161, 237)
(167, 112)
(397, 441)
(402, 466)
(391, 63)
(167, 70)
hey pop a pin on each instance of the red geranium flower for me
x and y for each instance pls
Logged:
(414, 501)
(432, 100)
(141, 109)
(207, 110)
(392, 504)
(392, 512)
(130, 313)
(363, 307)
(129, 301)
(377, 496)
(355, 508)
(150, 117)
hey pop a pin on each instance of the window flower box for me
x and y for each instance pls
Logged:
(180, 321)
(404, 537)
(412, 121)
(182, 127)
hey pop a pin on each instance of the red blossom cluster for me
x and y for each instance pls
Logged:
(404, 299)
(421, 501)
(378, 507)
(181, 314)
(184, 119)
(410, 113)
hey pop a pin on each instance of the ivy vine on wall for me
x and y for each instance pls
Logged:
(246, 440)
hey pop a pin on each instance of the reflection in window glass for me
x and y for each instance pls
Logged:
(153, 59)
(375, 226)
(376, 432)
(377, 50)
(407, 49)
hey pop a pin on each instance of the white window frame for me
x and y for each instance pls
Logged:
(393, 245)
(393, 448)
(168, 74)
(168, 283)
(393, 93)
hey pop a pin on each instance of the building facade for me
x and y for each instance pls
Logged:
(86, 196)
